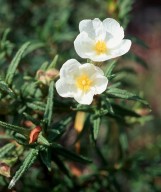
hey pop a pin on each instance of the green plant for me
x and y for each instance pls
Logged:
(56, 143)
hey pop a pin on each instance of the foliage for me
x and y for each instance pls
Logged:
(83, 148)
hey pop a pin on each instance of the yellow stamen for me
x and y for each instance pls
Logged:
(83, 82)
(100, 47)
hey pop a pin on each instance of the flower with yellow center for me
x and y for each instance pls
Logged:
(100, 47)
(81, 82)
(101, 41)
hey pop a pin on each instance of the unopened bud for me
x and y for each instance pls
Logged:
(34, 134)
(46, 76)
(4, 169)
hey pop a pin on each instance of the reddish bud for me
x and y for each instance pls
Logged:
(34, 134)
(4, 169)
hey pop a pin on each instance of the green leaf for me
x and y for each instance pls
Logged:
(44, 66)
(4, 87)
(53, 63)
(84, 108)
(49, 106)
(42, 140)
(6, 149)
(32, 47)
(57, 129)
(2, 55)
(124, 7)
(69, 154)
(4, 38)
(127, 70)
(21, 139)
(123, 111)
(96, 126)
(46, 158)
(14, 63)
(61, 166)
(30, 89)
(123, 94)
(29, 117)
(30, 158)
(35, 106)
(110, 68)
(106, 105)
(15, 128)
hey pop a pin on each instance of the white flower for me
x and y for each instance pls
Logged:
(81, 82)
(100, 41)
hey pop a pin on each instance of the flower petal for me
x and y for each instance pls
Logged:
(87, 26)
(113, 42)
(101, 57)
(69, 67)
(84, 45)
(100, 32)
(94, 28)
(113, 27)
(100, 84)
(65, 89)
(123, 48)
(85, 98)
(90, 69)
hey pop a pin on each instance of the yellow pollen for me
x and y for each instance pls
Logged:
(100, 47)
(83, 82)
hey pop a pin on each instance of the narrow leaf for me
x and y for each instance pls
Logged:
(84, 108)
(96, 127)
(123, 94)
(46, 158)
(49, 106)
(53, 63)
(6, 149)
(4, 37)
(4, 87)
(123, 111)
(32, 47)
(44, 66)
(14, 63)
(110, 68)
(42, 140)
(69, 154)
(57, 129)
(61, 166)
(30, 158)
(30, 118)
(15, 128)
(35, 107)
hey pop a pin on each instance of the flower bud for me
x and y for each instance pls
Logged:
(46, 76)
(34, 134)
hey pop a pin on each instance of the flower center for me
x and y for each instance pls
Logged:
(83, 82)
(100, 47)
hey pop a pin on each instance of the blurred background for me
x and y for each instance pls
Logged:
(54, 26)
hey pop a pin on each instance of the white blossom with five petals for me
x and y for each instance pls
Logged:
(81, 82)
(101, 41)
